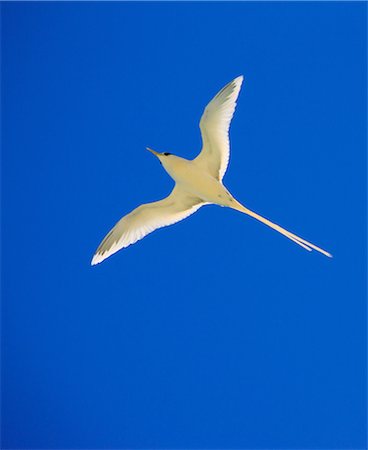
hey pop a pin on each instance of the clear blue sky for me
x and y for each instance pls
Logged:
(216, 332)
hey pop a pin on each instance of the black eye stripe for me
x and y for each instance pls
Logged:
(166, 154)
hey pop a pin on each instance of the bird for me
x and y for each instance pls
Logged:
(198, 182)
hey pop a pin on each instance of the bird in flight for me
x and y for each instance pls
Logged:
(198, 182)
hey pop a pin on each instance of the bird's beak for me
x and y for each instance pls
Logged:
(152, 151)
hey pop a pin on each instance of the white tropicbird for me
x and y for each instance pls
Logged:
(198, 182)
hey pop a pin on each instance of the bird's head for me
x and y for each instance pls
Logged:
(165, 158)
(160, 156)
(171, 163)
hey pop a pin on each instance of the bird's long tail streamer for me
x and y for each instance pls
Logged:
(298, 240)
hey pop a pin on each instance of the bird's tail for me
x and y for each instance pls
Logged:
(298, 240)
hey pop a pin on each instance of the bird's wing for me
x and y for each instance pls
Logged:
(214, 125)
(145, 219)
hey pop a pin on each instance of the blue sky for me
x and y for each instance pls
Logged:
(216, 332)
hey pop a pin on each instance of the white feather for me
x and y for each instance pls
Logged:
(145, 219)
(214, 125)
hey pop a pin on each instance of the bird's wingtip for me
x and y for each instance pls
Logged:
(96, 259)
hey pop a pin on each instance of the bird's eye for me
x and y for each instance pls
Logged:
(166, 154)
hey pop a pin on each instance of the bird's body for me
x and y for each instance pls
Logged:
(192, 178)
(198, 182)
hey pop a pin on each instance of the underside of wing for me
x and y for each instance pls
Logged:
(145, 219)
(214, 125)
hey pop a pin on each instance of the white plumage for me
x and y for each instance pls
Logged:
(198, 182)
(214, 125)
(145, 219)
